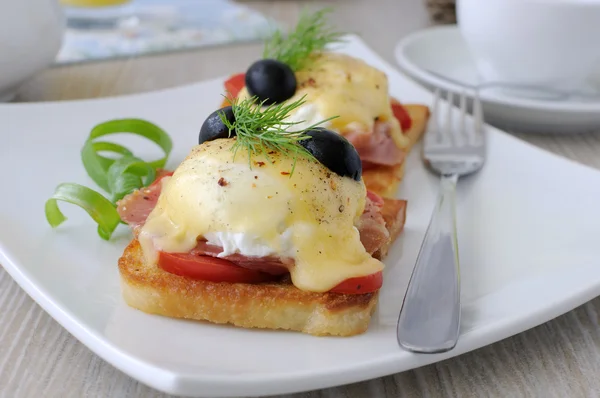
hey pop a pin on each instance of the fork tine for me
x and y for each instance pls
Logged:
(435, 112)
(477, 115)
(448, 128)
(463, 117)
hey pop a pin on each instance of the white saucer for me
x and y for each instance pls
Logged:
(438, 57)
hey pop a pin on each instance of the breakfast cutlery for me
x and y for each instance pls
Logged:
(453, 147)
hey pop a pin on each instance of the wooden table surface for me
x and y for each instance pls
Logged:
(38, 358)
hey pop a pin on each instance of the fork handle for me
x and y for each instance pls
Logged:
(430, 317)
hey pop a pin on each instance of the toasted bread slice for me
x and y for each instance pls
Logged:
(384, 180)
(275, 305)
(419, 115)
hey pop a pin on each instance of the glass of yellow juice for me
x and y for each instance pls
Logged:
(93, 3)
(97, 14)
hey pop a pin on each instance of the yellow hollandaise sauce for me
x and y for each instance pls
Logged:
(307, 216)
(340, 85)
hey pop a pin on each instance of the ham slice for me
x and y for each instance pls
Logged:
(371, 225)
(135, 208)
(377, 148)
(271, 264)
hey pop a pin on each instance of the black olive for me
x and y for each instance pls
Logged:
(213, 127)
(334, 152)
(271, 81)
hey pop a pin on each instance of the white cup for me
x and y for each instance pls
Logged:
(31, 33)
(549, 43)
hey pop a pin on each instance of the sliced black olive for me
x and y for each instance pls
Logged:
(334, 152)
(213, 127)
(271, 81)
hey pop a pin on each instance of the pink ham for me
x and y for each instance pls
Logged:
(371, 225)
(135, 207)
(271, 264)
(378, 148)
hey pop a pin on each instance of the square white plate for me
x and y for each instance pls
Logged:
(528, 235)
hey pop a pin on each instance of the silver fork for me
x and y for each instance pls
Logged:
(430, 317)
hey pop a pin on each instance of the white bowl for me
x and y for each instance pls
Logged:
(31, 34)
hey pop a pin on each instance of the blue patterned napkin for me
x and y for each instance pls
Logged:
(154, 26)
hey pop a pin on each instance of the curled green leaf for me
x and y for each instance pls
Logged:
(105, 146)
(102, 211)
(97, 165)
(127, 174)
(117, 175)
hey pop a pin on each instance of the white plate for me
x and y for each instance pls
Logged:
(529, 224)
(443, 51)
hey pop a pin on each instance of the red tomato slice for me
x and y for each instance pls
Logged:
(160, 175)
(360, 285)
(402, 115)
(209, 268)
(235, 84)
(216, 269)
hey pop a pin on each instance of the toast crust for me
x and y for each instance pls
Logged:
(384, 180)
(273, 305)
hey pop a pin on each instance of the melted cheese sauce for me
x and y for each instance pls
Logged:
(309, 216)
(340, 85)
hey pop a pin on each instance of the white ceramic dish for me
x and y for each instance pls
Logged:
(528, 229)
(443, 51)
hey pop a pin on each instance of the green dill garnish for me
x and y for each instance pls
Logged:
(312, 34)
(262, 129)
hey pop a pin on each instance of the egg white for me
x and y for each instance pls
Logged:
(251, 245)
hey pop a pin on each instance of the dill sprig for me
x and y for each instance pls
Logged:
(312, 34)
(262, 129)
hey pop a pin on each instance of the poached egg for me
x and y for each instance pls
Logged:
(337, 84)
(263, 205)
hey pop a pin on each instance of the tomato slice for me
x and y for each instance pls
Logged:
(360, 285)
(402, 115)
(214, 269)
(209, 268)
(160, 175)
(235, 84)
